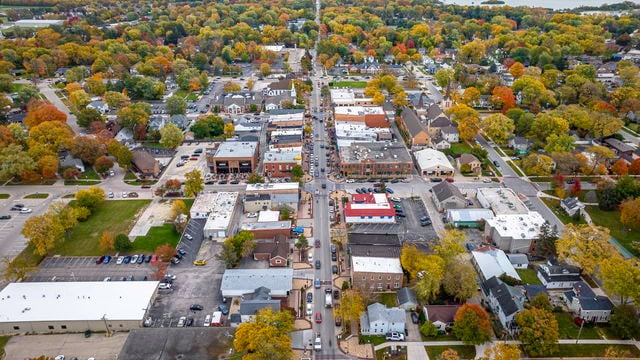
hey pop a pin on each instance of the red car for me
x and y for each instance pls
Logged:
(317, 243)
(146, 186)
(318, 318)
(449, 180)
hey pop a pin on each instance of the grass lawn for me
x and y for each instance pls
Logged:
(37, 196)
(458, 148)
(569, 329)
(593, 350)
(189, 202)
(448, 337)
(373, 339)
(464, 351)
(528, 276)
(42, 182)
(116, 216)
(138, 182)
(69, 196)
(191, 96)
(352, 84)
(385, 354)
(611, 220)
(554, 205)
(90, 174)
(3, 341)
(4, 196)
(81, 182)
(181, 93)
(157, 235)
(388, 299)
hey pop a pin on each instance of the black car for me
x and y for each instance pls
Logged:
(324, 186)
(140, 259)
(15, 208)
(359, 191)
(401, 215)
(317, 264)
(334, 257)
(395, 181)
(130, 278)
(336, 294)
(189, 322)
(436, 180)
(5, 217)
(309, 297)
(370, 190)
(334, 269)
(234, 182)
(147, 259)
(195, 307)
(127, 259)
(414, 317)
(222, 182)
(210, 182)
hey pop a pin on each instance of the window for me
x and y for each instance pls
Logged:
(63, 326)
(50, 327)
(389, 277)
(121, 325)
(379, 277)
(372, 277)
(396, 285)
(16, 328)
(370, 217)
(278, 261)
(364, 277)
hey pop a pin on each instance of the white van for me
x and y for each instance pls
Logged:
(216, 319)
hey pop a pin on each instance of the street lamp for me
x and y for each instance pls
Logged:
(104, 318)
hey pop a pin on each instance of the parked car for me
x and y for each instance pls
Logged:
(317, 243)
(450, 180)
(318, 318)
(146, 186)
(133, 194)
(223, 309)
(414, 317)
(140, 259)
(5, 217)
(134, 259)
(164, 286)
(389, 190)
(317, 284)
(100, 260)
(189, 321)
(200, 262)
(127, 259)
(317, 264)
(120, 260)
(435, 179)
(394, 336)
(309, 297)
(336, 294)
(196, 307)
(334, 269)
(110, 195)
(181, 251)
(188, 236)
(252, 215)
(26, 211)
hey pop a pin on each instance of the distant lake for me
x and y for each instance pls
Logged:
(551, 4)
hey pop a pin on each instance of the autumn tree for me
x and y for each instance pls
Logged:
(470, 96)
(86, 116)
(171, 136)
(265, 69)
(430, 275)
(538, 331)
(411, 259)
(502, 98)
(48, 165)
(537, 165)
(630, 213)
(352, 304)
(176, 105)
(159, 270)
(625, 322)
(165, 252)
(131, 116)
(255, 178)
(87, 149)
(544, 125)
(621, 278)
(498, 127)
(634, 168)
(468, 120)
(265, 338)
(516, 70)
(229, 130)
(123, 155)
(50, 136)
(471, 324)
(42, 113)
(193, 183)
(178, 207)
(502, 351)
(43, 232)
(541, 301)
(79, 99)
(585, 245)
(228, 255)
(459, 280)
(444, 76)
(230, 86)
(90, 198)
(15, 161)
(107, 241)
(450, 244)
(449, 354)
(115, 99)
(15, 269)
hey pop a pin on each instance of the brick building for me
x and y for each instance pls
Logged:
(268, 229)
(377, 159)
(372, 116)
(233, 157)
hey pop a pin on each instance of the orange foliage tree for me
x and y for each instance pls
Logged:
(46, 112)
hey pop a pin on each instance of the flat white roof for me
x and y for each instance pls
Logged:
(494, 262)
(204, 202)
(222, 211)
(501, 201)
(268, 215)
(278, 155)
(469, 214)
(266, 225)
(76, 301)
(376, 264)
(286, 117)
(236, 149)
(430, 159)
(272, 186)
(359, 110)
(517, 226)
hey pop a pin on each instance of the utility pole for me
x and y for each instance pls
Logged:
(104, 318)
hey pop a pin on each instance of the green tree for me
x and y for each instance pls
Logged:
(428, 329)
(209, 126)
(625, 322)
(15, 161)
(228, 255)
(621, 278)
(545, 125)
(471, 324)
(26, 93)
(16, 269)
(115, 99)
(559, 143)
(498, 127)
(297, 172)
(444, 77)
(193, 183)
(459, 280)
(122, 243)
(176, 105)
(541, 301)
(88, 115)
(302, 242)
(255, 178)
(538, 331)
(123, 155)
(171, 136)
(242, 243)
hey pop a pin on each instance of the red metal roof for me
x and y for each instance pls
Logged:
(348, 211)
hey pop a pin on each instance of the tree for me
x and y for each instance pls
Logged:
(459, 280)
(430, 275)
(630, 213)
(449, 354)
(115, 99)
(559, 143)
(297, 171)
(302, 242)
(255, 178)
(165, 252)
(502, 98)
(48, 165)
(26, 94)
(265, 69)
(516, 70)
(352, 304)
(537, 165)
(471, 324)
(159, 270)
(79, 99)
(107, 241)
(470, 96)
(502, 351)
(90, 198)
(87, 149)
(230, 86)
(123, 155)
(171, 136)
(178, 207)
(16, 269)
(450, 245)
(625, 322)
(50, 136)
(43, 232)
(620, 167)
(585, 245)
(122, 243)
(544, 125)
(209, 126)
(468, 120)
(242, 243)
(621, 278)
(15, 161)
(87, 116)
(538, 331)
(411, 259)
(176, 105)
(95, 85)
(130, 116)
(265, 338)
(193, 183)
(103, 164)
(541, 301)
(42, 113)
(498, 127)
(229, 130)
(599, 155)
(444, 76)
(228, 255)
(428, 329)
(634, 168)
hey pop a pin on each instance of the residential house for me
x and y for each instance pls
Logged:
(519, 261)
(432, 162)
(260, 299)
(556, 275)
(379, 320)
(99, 106)
(586, 305)
(71, 162)
(619, 147)
(441, 316)
(406, 298)
(519, 144)
(420, 101)
(531, 291)
(571, 205)
(471, 160)
(491, 262)
(505, 301)
(179, 120)
(440, 143)
(410, 122)
(276, 251)
(145, 164)
(450, 133)
(447, 196)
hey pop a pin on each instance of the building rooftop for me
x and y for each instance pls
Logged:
(266, 187)
(382, 152)
(267, 225)
(501, 201)
(380, 312)
(236, 282)
(236, 149)
(431, 158)
(493, 262)
(369, 205)
(222, 211)
(359, 110)
(376, 264)
(205, 202)
(76, 301)
(445, 190)
(268, 216)
(278, 155)
(469, 215)
(518, 226)
(373, 239)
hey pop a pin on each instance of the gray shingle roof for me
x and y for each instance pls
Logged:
(504, 294)
(444, 190)
(411, 121)
(379, 312)
(406, 295)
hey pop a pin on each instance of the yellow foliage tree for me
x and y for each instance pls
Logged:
(586, 246)
(630, 213)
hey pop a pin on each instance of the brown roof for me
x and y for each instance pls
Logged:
(467, 158)
(279, 246)
(143, 160)
(284, 84)
(443, 313)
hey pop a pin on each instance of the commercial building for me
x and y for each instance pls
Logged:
(286, 118)
(59, 307)
(275, 250)
(233, 157)
(501, 201)
(273, 188)
(514, 232)
(377, 159)
(35, 23)
(411, 125)
(268, 229)
(203, 205)
(350, 132)
(239, 282)
(349, 97)
(468, 218)
(371, 116)
(445, 196)
(369, 209)
(280, 162)
(218, 222)
(376, 273)
(432, 162)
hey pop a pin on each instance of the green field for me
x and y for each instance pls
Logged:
(4, 196)
(458, 148)
(529, 276)
(157, 235)
(388, 299)
(351, 84)
(372, 339)
(81, 182)
(37, 196)
(611, 220)
(90, 174)
(464, 351)
(116, 216)
(3, 341)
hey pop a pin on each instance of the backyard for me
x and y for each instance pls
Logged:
(529, 276)
(611, 220)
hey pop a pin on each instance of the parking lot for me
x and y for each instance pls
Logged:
(84, 268)
(195, 230)
(12, 242)
(174, 172)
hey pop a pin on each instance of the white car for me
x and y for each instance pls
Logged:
(350, 181)
(170, 276)
(111, 173)
(394, 336)
(120, 260)
(182, 321)
(110, 194)
(164, 286)
(252, 215)
(124, 195)
(134, 258)
(207, 320)
(26, 211)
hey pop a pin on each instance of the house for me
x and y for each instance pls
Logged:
(619, 147)
(492, 262)
(519, 261)
(379, 320)
(531, 291)
(252, 303)
(276, 251)
(145, 164)
(71, 162)
(406, 298)
(179, 120)
(571, 205)
(556, 275)
(505, 301)
(441, 315)
(586, 305)
(471, 160)
(432, 162)
(450, 133)
(445, 196)
(99, 106)
(268, 229)
(410, 123)
(440, 143)
(283, 86)
(519, 144)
